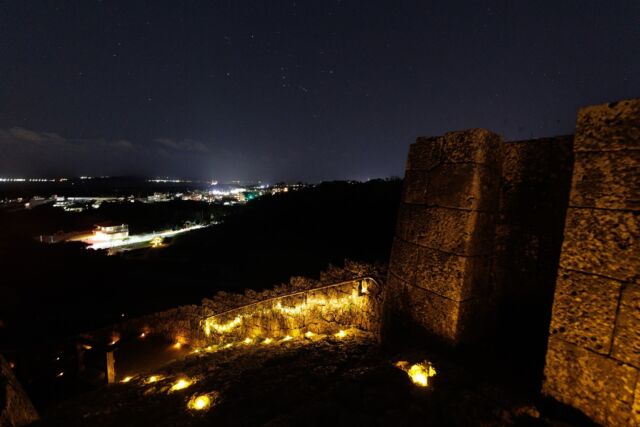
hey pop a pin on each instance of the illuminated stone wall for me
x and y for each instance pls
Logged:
(441, 261)
(593, 356)
(321, 310)
(354, 304)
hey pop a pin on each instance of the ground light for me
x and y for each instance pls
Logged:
(202, 402)
(341, 334)
(181, 384)
(419, 373)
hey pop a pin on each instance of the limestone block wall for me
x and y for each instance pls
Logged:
(534, 192)
(441, 260)
(593, 356)
(185, 323)
(353, 304)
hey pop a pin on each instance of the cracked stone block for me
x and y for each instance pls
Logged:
(613, 126)
(584, 310)
(463, 186)
(600, 387)
(606, 179)
(438, 315)
(461, 232)
(451, 321)
(478, 146)
(605, 242)
(626, 341)
(453, 276)
(403, 260)
(425, 153)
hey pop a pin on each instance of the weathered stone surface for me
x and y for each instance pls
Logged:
(612, 126)
(16, 408)
(634, 418)
(606, 179)
(474, 145)
(464, 186)
(626, 341)
(437, 314)
(403, 261)
(425, 153)
(605, 242)
(451, 230)
(584, 310)
(478, 146)
(453, 276)
(598, 386)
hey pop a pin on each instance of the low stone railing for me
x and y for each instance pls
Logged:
(352, 304)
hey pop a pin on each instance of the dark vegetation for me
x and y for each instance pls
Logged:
(49, 292)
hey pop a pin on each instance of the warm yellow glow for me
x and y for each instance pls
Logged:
(267, 341)
(310, 303)
(209, 348)
(156, 242)
(177, 345)
(142, 335)
(341, 334)
(419, 372)
(309, 334)
(181, 384)
(221, 328)
(114, 339)
(60, 374)
(199, 403)
(153, 379)
(228, 345)
(126, 379)
(287, 338)
(87, 346)
(248, 340)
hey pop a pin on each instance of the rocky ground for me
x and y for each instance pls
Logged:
(307, 381)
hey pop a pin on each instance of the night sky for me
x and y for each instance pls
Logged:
(293, 90)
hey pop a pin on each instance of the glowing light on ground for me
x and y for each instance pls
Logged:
(153, 379)
(247, 340)
(95, 242)
(200, 403)
(341, 334)
(181, 384)
(126, 379)
(419, 373)
(287, 338)
(309, 334)
(267, 341)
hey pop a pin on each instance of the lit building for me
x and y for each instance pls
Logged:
(105, 233)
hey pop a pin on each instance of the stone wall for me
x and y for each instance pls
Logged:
(593, 357)
(185, 323)
(354, 304)
(534, 191)
(440, 266)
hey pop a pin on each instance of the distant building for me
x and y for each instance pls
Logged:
(103, 233)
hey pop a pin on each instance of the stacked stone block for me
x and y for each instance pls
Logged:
(593, 356)
(440, 266)
(534, 192)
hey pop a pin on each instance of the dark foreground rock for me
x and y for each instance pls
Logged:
(317, 381)
(15, 407)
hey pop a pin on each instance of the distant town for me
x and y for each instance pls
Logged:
(85, 194)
